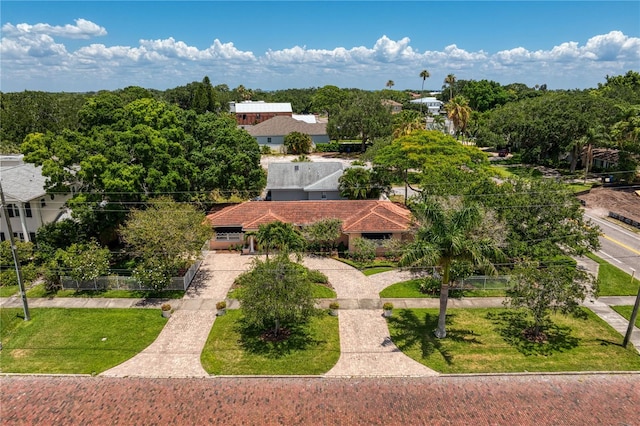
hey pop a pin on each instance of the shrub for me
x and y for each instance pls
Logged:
(265, 150)
(327, 147)
(317, 277)
(334, 305)
(221, 305)
(166, 307)
(430, 285)
(363, 250)
(387, 306)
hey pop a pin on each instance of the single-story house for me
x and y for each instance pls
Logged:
(271, 132)
(287, 181)
(28, 204)
(372, 219)
(249, 113)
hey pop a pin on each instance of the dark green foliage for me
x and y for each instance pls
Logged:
(327, 147)
(298, 143)
(322, 235)
(362, 250)
(275, 293)
(543, 290)
(280, 236)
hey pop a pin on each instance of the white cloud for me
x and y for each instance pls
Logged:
(26, 49)
(83, 29)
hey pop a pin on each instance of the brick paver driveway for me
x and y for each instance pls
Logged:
(478, 400)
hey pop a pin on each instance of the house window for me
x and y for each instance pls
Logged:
(268, 140)
(324, 195)
(43, 203)
(32, 237)
(13, 210)
(18, 235)
(2, 237)
(27, 209)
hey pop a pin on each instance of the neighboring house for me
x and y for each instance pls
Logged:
(434, 106)
(28, 204)
(394, 106)
(249, 113)
(304, 181)
(601, 158)
(271, 133)
(371, 219)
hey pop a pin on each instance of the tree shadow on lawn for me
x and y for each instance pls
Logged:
(410, 331)
(511, 325)
(252, 340)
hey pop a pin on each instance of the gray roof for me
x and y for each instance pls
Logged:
(282, 126)
(22, 182)
(306, 175)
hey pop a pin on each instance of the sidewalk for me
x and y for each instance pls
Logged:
(366, 347)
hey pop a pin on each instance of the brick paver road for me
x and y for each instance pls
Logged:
(478, 400)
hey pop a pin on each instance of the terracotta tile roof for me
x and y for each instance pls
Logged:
(356, 215)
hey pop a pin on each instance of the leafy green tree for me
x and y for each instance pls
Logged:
(84, 261)
(450, 231)
(542, 290)
(484, 95)
(282, 237)
(459, 113)
(323, 234)
(276, 292)
(298, 143)
(362, 250)
(57, 235)
(166, 235)
(439, 163)
(329, 99)
(363, 117)
(390, 84)
(543, 217)
(359, 183)
(406, 121)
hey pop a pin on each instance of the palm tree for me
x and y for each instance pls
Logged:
(280, 236)
(355, 183)
(459, 112)
(450, 80)
(406, 122)
(449, 232)
(390, 84)
(424, 74)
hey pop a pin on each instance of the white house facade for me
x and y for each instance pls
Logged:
(28, 204)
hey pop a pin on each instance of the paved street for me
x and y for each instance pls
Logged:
(453, 400)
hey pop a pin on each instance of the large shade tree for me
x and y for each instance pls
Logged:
(449, 231)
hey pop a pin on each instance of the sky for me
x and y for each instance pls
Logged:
(80, 46)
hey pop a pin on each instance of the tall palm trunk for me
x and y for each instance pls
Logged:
(441, 331)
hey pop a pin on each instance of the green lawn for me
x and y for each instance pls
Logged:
(8, 290)
(74, 341)
(625, 311)
(323, 292)
(40, 291)
(411, 289)
(490, 341)
(312, 349)
(614, 281)
(377, 269)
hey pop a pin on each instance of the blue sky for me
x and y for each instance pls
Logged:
(91, 45)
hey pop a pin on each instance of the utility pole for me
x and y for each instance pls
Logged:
(14, 252)
(634, 314)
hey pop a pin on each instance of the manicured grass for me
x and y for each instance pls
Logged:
(74, 341)
(8, 290)
(578, 187)
(614, 281)
(490, 341)
(311, 349)
(323, 292)
(411, 289)
(625, 311)
(377, 269)
(40, 291)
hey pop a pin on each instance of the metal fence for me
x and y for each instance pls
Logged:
(484, 282)
(118, 282)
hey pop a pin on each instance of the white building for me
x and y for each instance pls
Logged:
(433, 105)
(28, 204)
